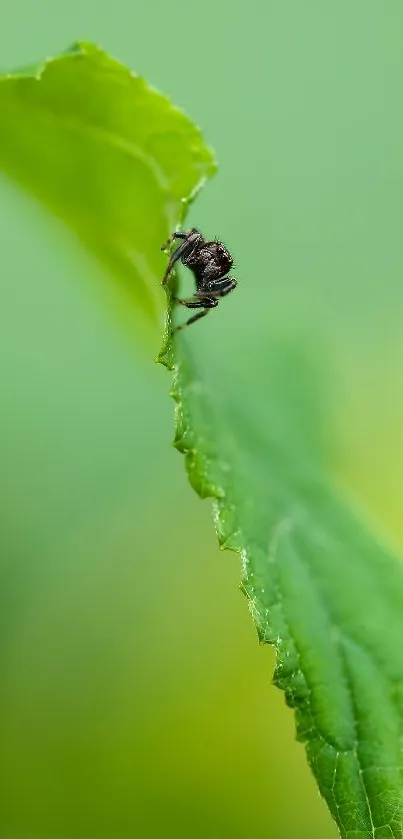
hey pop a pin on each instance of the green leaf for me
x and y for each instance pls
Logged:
(109, 155)
(321, 589)
(117, 162)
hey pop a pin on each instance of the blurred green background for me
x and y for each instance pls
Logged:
(135, 700)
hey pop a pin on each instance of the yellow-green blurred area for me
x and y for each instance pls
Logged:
(134, 698)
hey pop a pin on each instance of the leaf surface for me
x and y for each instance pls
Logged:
(322, 590)
(106, 153)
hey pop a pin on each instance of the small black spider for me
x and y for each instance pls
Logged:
(209, 262)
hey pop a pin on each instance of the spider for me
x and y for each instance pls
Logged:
(209, 262)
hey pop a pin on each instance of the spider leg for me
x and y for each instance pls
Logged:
(176, 235)
(197, 302)
(193, 319)
(189, 244)
(178, 254)
(223, 287)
